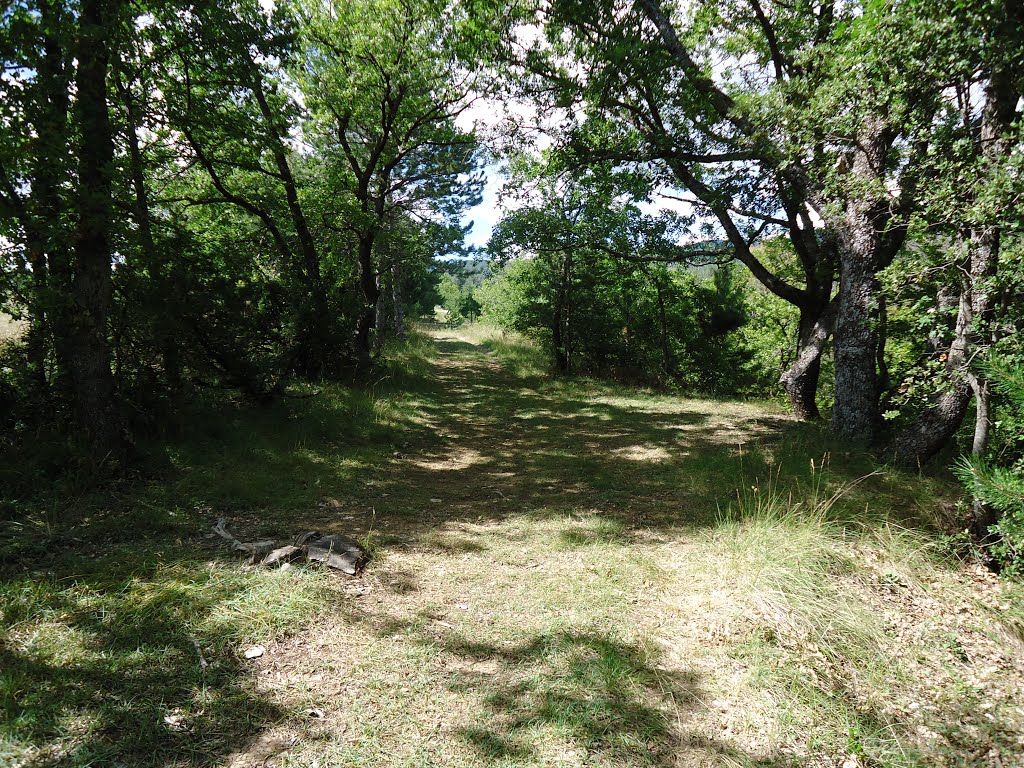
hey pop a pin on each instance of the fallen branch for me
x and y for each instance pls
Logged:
(257, 549)
(332, 550)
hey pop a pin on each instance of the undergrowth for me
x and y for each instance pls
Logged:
(543, 548)
(819, 601)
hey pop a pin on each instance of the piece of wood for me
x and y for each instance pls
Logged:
(338, 552)
(282, 555)
(305, 537)
(258, 549)
(222, 531)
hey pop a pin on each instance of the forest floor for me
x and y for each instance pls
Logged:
(565, 573)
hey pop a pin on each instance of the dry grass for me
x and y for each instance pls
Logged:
(567, 574)
(10, 328)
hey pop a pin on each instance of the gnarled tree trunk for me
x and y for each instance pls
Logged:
(863, 248)
(936, 425)
(800, 380)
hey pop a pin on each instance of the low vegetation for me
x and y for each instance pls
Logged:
(566, 572)
(665, 356)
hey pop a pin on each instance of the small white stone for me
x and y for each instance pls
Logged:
(255, 652)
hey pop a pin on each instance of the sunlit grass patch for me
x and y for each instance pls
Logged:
(840, 626)
(523, 358)
(101, 668)
(581, 697)
(566, 572)
(408, 363)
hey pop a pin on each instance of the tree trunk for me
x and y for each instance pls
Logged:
(36, 342)
(380, 323)
(938, 423)
(982, 416)
(984, 260)
(800, 380)
(371, 295)
(855, 414)
(559, 326)
(935, 426)
(396, 297)
(93, 385)
(862, 247)
(168, 327)
(983, 516)
(47, 244)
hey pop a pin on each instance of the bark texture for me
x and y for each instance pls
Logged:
(800, 380)
(396, 296)
(863, 247)
(88, 351)
(938, 422)
(371, 295)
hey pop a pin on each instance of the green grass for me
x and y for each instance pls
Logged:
(140, 664)
(566, 572)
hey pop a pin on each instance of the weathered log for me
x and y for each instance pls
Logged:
(338, 552)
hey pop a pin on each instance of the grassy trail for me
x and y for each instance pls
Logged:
(566, 574)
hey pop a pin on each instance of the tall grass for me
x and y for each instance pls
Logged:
(797, 579)
(522, 357)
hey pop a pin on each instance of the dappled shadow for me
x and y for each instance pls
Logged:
(580, 696)
(591, 692)
(470, 443)
(105, 672)
(501, 444)
(472, 440)
(453, 346)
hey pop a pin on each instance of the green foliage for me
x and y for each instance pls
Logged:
(265, 211)
(451, 297)
(998, 480)
(609, 289)
(650, 325)
(503, 296)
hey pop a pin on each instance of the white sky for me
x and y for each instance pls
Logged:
(485, 215)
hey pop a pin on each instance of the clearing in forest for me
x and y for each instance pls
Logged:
(566, 573)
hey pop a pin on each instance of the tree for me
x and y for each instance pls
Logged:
(971, 221)
(610, 284)
(1000, 486)
(231, 101)
(641, 100)
(50, 46)
(379, 76)
(800, 119)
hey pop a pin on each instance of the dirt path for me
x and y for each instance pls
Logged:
(515, 615)
(566, 573)
(556, 586)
